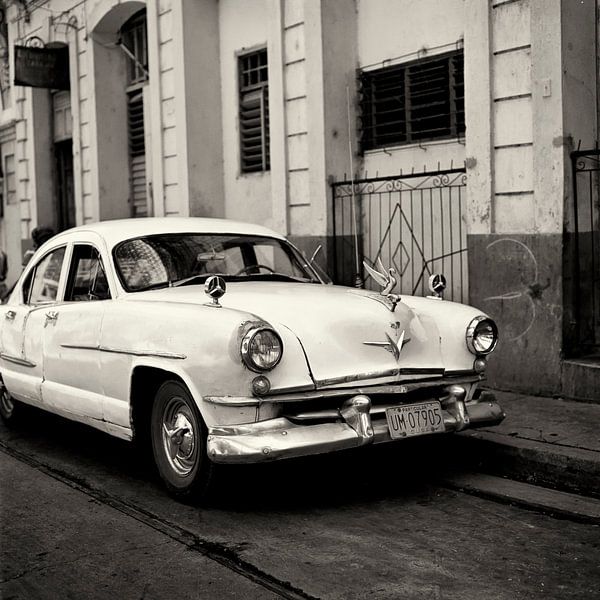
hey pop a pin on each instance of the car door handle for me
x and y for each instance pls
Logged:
(51, 317)
(10, 315)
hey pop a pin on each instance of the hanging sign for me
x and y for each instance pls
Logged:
(42, 67)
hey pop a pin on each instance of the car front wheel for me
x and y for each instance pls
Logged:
(179, 443)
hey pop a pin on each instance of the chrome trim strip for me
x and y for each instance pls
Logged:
(23, 362)
(339, 392)
(129, 352)
(366, 376)
(233, 400)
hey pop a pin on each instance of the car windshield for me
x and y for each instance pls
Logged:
(187, 258)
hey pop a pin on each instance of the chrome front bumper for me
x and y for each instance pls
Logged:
(278, 438)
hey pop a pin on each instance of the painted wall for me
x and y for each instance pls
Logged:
(542, 57)
(10, 225)
(203, 113)
(243, 25)
(110, 133)
(395, 31)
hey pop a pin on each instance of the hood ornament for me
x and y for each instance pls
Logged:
(215, 288)
(387, 280)
(437, 285)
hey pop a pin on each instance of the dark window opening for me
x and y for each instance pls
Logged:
(63, 162)
(413, 102)
(87, 278)
(254, 112)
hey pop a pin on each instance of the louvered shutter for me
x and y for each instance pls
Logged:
(254, 130)
(254, 112)
(137, 155)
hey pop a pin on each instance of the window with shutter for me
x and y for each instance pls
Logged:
(414, 102)
(254, 112)
(134, 44)
(137, 154)
(134, 40)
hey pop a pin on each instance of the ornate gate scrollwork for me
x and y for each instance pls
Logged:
(413, 223)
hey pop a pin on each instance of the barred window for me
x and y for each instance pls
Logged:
(254, 112)
(413, 102)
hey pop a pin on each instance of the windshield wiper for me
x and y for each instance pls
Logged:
(280, 276)
(195, 278)
(200, 278)
(153, 286)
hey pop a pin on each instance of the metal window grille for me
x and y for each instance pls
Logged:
(414, 102)
(254, 112)
(134, 39)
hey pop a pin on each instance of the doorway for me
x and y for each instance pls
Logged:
(65, 200)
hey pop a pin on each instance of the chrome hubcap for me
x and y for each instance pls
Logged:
(179, 435)
(6, 402)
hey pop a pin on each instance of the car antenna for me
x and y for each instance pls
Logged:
(358, 281)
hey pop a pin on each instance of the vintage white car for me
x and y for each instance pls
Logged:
(217, 342)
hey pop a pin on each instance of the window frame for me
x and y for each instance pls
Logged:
(405, 135)
(246, 91)
(131, 32)
(31, 273)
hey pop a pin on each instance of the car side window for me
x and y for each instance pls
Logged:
(87, 277)
(43, 285)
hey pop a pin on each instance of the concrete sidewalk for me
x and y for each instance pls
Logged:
(544, 441)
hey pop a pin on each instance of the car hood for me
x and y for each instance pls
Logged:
(347, 334)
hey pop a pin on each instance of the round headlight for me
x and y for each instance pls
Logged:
(482, 335)
(261, 349)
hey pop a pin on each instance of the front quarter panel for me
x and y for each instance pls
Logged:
(452, 320)
(199, 344)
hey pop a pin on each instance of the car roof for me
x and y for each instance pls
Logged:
(116, 231)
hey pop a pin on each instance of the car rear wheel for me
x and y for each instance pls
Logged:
(179, 443)
(10, 409)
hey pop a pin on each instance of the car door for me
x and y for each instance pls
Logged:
(72, 382)
(22, 356)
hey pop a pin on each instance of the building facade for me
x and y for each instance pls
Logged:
(433, 135)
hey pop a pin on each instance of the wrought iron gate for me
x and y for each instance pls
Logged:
(413, 223)
(586, 246)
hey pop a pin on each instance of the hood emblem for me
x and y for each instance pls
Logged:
(387, 280)
(391, 345)
(215, 288)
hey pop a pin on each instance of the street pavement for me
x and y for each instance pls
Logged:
(83, 517)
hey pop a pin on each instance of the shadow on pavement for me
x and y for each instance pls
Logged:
(367, 474)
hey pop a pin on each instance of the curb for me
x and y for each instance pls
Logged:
(558, 504)
(564, 468)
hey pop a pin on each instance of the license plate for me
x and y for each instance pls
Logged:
(415, 419)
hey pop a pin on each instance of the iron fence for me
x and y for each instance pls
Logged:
(586, 244)
(413, 223)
